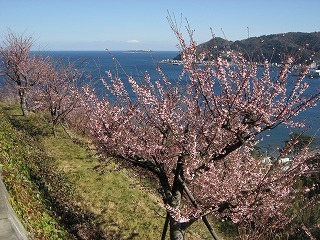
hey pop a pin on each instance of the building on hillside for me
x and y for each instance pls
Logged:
(314, 70)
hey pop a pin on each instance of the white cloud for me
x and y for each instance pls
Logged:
(133, 41)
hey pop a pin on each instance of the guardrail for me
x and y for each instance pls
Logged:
(10, 225)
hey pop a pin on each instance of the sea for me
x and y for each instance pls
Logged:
(137, 63)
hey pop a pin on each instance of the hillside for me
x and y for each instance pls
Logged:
(60, 189)
(274, 47)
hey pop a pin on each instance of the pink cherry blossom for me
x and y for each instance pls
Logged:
(197, 138)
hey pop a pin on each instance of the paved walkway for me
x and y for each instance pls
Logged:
(10, 226)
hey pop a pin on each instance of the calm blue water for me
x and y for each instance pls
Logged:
(122, 62)
(136, 64)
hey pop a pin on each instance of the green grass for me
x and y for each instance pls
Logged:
(72, 196)
(17, 154)
(121, 205)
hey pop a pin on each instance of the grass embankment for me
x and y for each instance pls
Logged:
(18, 153)
(59, 193)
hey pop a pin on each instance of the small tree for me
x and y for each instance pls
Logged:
(56, 90)
(196, 136)
(19, 66)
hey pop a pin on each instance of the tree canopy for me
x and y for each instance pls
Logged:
(196, 136)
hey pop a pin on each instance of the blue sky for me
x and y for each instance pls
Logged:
(142, 24)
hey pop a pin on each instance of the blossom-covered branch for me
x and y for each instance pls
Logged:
(200, 133)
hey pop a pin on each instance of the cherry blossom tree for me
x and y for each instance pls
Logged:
(197, 134)
(56, 91)
(19, 66)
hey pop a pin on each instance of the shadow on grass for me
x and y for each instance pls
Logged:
(39, 168)
(57, 192)
(33, 125)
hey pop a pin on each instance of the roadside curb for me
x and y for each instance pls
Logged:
(10, 226)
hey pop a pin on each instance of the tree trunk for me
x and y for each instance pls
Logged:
(177, 232)
(165, 227)
(23, 102)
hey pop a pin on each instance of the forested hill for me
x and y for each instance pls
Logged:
(304, 46)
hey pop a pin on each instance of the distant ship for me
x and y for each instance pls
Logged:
(138, 51)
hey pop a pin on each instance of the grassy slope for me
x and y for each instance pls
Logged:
(122, 208)
(59, 193)
(17, 152)
(113, 199)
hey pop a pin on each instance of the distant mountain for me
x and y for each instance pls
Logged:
(274, 47)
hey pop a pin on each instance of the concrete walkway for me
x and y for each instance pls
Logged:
(10, 226)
